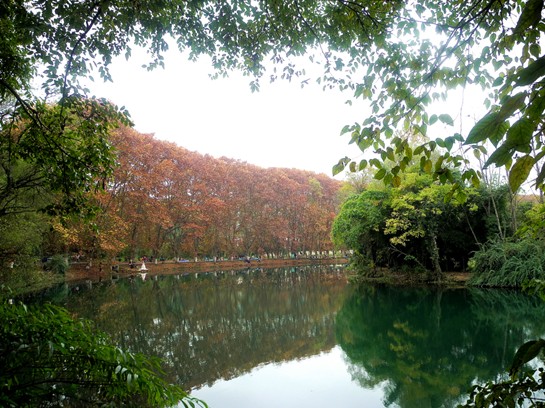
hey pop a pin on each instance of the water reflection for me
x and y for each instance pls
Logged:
(418, 347)
(428, 346)
(219, 325)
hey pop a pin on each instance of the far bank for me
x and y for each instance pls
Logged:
(102, 270)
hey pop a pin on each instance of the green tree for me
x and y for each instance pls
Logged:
(415, 225)
(52, 155)
(360, 226)
(417, 212)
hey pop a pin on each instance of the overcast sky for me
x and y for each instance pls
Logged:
(282, 125)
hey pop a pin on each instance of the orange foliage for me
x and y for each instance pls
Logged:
(176, 203)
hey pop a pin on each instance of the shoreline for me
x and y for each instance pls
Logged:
(80, 271)
(450, 279)
(100, 271)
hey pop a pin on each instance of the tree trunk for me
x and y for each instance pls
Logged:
(434, 256)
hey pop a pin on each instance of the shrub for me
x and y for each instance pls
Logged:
(508, 263)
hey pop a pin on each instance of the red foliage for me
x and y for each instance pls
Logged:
(178, 203)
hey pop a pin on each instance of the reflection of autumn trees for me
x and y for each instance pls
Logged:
(219, 325)
(429, 346)
(168, 201)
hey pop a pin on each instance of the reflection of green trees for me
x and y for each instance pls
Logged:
(428, 346)
(213, 326)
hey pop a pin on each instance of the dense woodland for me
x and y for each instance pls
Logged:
(164, 201)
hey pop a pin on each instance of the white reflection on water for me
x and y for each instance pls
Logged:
(318, 381)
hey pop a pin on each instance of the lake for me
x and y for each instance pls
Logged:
(303, 337)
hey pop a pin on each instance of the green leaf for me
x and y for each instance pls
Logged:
(520, 135)
(427, 166)
(336, 169)
(379, 175)
(520, 171)
(419, 149)
(536, 106)
(511, 104)
(390, 154)
(446, 119)
(461, 196)
(531, 73)
(340, 166)
(475, 181)
(528, 351)
(501, 156)
(449, 142)
(490, 127)
(498, 81)
(530, 16)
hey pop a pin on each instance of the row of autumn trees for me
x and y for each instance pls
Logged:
(166, 201)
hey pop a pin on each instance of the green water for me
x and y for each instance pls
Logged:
(302, 337)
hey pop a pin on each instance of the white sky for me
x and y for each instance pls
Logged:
(282, 125)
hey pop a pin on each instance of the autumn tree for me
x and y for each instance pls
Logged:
(175, 203)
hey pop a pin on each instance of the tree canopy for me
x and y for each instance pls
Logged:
(166, 201)
(414, 226)
(403, 57)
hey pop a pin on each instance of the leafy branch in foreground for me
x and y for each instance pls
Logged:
(433, 50)
(49, 357)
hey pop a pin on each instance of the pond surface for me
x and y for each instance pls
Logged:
(302, 337)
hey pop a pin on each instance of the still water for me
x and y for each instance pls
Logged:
(303, 337)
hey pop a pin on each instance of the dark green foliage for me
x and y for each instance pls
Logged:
(525, 391)
(50, 359)
(533, 221)
(21, 235)
(360, 225)
(527, 352)
(416, 226)
(52, 156)
(508, 263)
